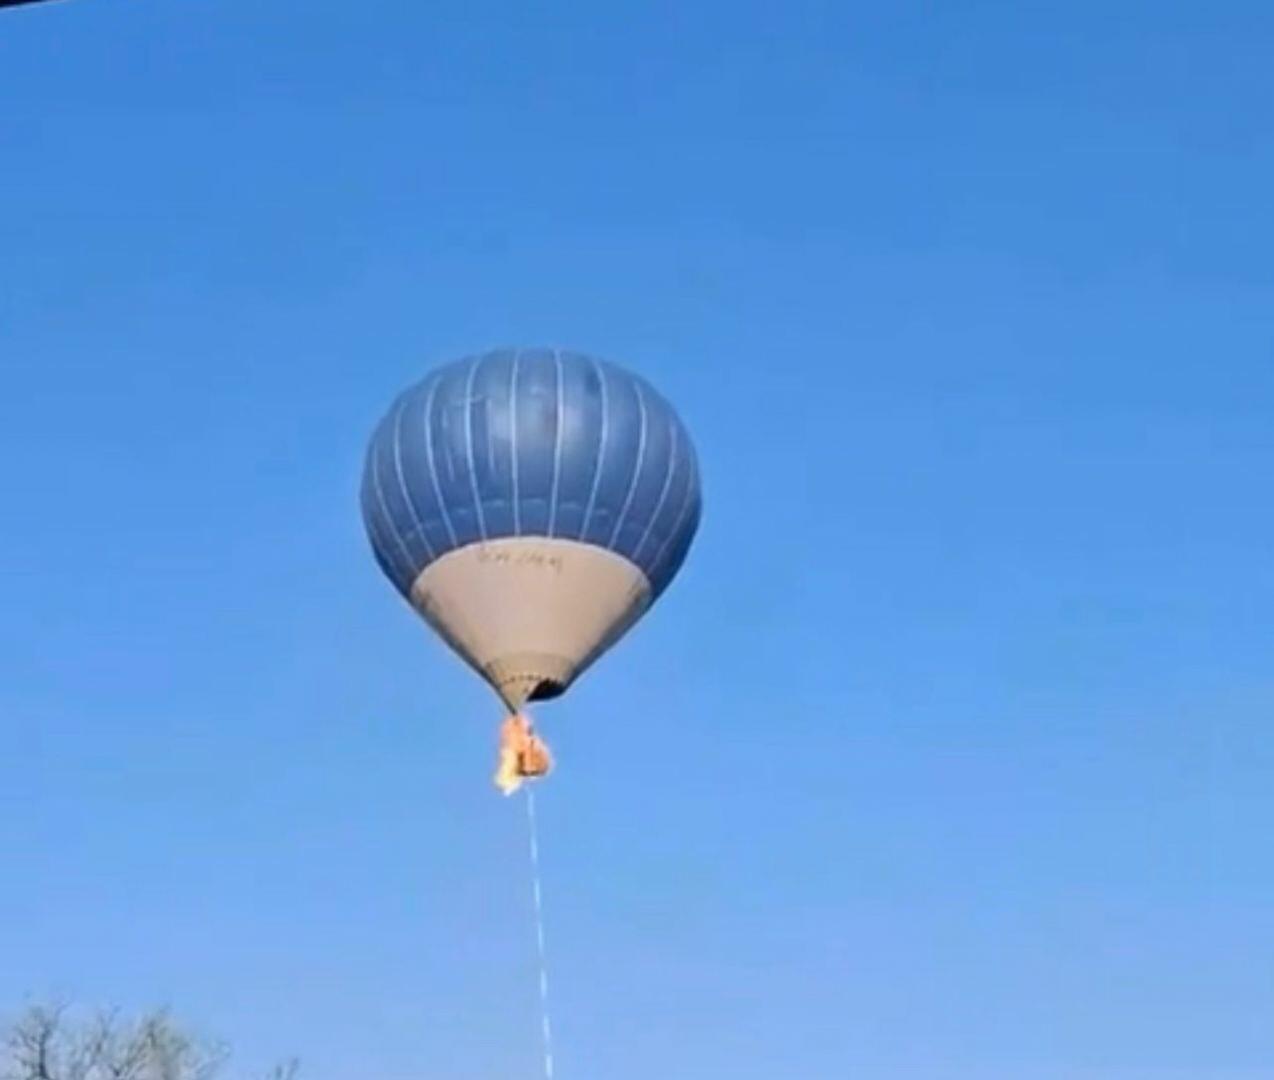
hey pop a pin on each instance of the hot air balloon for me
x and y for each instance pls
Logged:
(531, 505)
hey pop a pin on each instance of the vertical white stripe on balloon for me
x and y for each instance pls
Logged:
(602, 437)
(429, 448)
(402, 480)
(641, 462)
(468, 445)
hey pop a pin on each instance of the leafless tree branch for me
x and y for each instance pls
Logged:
(49, 1043)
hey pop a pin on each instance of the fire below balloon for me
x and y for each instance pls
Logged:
(523, 755)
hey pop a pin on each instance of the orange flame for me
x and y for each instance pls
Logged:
(523, 755)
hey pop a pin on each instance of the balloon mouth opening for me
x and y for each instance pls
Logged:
(546, 690)
(527, 677)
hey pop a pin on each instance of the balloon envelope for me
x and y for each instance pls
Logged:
(531, 504)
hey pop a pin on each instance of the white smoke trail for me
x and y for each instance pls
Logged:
(545, 1024)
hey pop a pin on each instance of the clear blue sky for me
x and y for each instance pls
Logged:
(948, 757)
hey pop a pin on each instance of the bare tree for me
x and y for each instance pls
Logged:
(49, 1043)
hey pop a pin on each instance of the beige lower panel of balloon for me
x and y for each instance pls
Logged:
(525, 611)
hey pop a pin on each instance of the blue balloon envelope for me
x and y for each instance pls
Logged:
(531, 504)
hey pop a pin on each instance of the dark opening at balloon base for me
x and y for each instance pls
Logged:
(546, 690)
